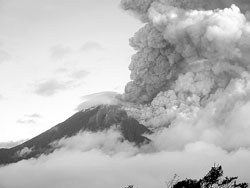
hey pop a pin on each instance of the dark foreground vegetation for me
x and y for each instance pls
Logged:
(213, 179)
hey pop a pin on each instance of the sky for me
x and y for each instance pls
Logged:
(191, 65)
(54, 52)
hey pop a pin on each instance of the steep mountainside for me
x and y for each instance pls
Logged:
(95, 119)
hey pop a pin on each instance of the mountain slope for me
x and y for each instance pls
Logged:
(94, 119)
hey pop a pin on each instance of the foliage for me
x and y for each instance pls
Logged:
(213, 179)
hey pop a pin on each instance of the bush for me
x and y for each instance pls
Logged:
(213, 179)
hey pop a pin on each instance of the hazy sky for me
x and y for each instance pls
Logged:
(53, 52)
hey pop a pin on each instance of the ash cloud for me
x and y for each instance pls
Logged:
(206, 48)
(190, 74)
(190, 84)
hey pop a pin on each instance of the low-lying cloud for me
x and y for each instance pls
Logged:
(190, 84)
(96, 160)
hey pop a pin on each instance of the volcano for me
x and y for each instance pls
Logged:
(94, 119)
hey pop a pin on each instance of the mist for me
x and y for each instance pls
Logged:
(190, 85)
(101, 160)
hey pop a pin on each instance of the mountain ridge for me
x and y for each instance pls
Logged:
(94, 119)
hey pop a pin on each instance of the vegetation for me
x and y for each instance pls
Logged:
(213, 179)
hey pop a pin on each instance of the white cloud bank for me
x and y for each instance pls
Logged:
(192, 67)
(97, 160)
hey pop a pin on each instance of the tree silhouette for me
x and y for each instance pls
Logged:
(213, 179)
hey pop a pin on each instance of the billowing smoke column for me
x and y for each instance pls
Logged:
(190, 73)
(190, 85)
(189, 51)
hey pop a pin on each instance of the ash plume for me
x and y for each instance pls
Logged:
(190, 85)
(188, 40)
(190, 73)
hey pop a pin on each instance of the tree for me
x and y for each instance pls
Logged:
(213, 179)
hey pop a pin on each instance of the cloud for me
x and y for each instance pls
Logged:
(62, 70)
(108, 141)
(29, 119)
(101, 160)
(59, 51)
(24, 152)
(1, 97)
(35, 115)
(79, 74)
(4, 56)
(26, 121)
(90, 46)
(51, 87)
(174, 48)
(106, 97)
(191, 69)
(75, 74)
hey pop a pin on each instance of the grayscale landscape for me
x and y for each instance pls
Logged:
(125, 94)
